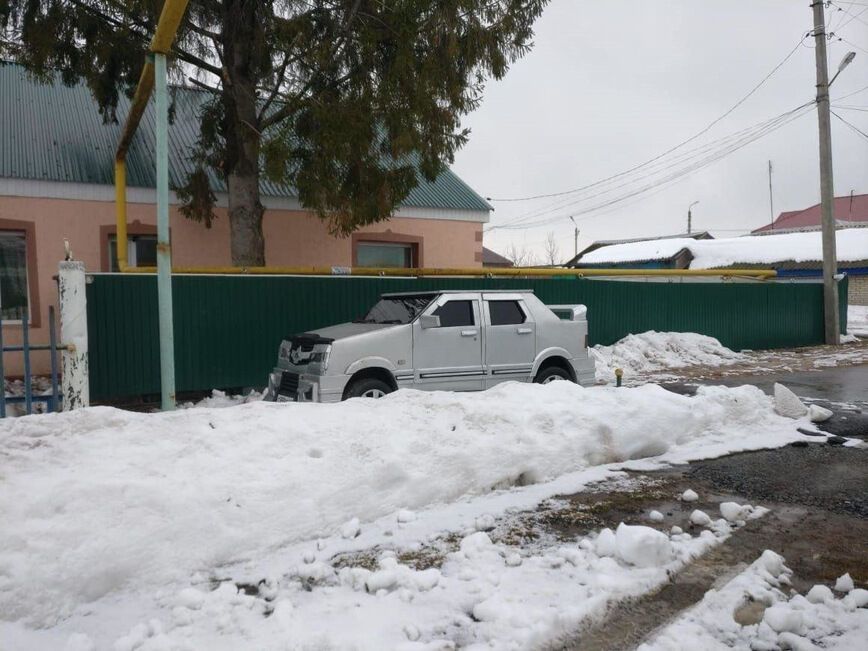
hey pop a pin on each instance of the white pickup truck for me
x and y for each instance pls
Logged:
(444, 340)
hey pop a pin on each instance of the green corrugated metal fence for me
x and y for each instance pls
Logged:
(228, 328)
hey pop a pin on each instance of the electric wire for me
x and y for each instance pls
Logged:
(664, 164)
(668, 151)
(852, 126)
(686, 164)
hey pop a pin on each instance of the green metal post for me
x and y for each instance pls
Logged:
(164, 250)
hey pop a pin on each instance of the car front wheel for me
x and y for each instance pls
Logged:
(367, 388)
(551, 374)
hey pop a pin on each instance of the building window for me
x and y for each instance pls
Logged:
(141, 251)
(385, 254)
(13, 276)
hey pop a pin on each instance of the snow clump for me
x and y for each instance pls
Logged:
(819, 414)
(700, 518)
(642, 546)
(733, 512)
(787, 403)
(689, 495)
(844, 583)
(819, 594)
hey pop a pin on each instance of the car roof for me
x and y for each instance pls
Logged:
(458, 291)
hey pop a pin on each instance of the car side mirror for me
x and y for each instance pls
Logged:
(429, 321)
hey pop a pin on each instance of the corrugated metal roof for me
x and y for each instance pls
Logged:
(847, 210)
(53, 132)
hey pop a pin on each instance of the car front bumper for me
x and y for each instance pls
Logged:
(289, 386)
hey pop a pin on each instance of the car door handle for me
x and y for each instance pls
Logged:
(524, 331)
(469, 333)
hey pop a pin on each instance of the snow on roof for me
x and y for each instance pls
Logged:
(711, 254)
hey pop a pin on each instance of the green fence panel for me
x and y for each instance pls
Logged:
(228, 328)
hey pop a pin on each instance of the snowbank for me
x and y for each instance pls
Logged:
(650, 352)
(818, 620)
(98, 500)
(711, 254)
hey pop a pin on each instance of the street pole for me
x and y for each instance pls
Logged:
(771, 198)
(827, 192)
(164, 251)
(575, 238)
(690, 217)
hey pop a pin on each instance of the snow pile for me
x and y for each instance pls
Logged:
(220, 399)
(817, 620)
(857, 320)
(101, 500)
(484, 595)
(651, 352)
(732, 251)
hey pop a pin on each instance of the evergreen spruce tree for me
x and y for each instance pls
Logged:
(341, 99)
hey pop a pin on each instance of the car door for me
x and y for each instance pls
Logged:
(510, 338)
(450, 356)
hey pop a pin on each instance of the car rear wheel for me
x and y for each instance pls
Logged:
(551, 374)
(368, 388)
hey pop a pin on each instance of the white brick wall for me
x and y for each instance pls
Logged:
(857, 293)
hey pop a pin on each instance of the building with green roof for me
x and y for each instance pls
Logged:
(56, 185)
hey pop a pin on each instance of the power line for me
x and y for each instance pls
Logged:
(689, 162)
(662, 164)
(852, 126)
(668, 151)
(851, 44)
(855, 92)
(852, 16)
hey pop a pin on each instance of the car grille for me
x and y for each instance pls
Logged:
(288, 385)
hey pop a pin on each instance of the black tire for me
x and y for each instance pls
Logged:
(551, 374)
(367, 388)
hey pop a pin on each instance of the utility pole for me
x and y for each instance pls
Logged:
(827, 192)
(690, 217)
(771, 198)
(575, 237)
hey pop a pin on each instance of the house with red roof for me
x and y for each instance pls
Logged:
(850, 210)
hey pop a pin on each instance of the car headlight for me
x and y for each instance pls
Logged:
(320, 356)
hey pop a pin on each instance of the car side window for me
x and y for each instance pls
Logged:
(505, 313)
(455, 314)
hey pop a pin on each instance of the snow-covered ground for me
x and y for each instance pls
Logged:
(857, 320)
(658, 353)
(823, 618)
(123, 530)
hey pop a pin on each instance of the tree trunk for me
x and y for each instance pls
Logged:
(241, 166)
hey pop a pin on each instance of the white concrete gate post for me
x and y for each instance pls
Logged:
(73, 335)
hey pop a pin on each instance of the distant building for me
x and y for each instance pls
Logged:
(851, 210)
(678, 258)
(793, 255)
(492, 259)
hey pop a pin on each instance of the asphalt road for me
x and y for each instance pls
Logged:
(817, 493)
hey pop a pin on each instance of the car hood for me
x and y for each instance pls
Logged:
(346, 330)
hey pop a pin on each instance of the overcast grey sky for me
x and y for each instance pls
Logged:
(611, 84)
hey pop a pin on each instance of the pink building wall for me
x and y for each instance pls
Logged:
(291, 238)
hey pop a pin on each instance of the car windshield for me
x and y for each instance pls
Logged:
(396, 309)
